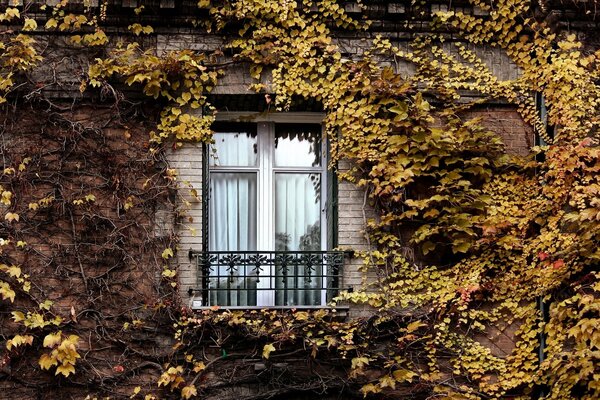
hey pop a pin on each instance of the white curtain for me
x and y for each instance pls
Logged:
(232, 218)
(232, 228)
(297, 227)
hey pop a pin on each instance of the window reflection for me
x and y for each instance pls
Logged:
(235, 145)
(297, 145)
(297, 212)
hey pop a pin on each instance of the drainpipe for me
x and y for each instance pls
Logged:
(544, 308)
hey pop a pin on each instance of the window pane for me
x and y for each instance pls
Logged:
(297, 211)
(298, 227)
(235, 145)
(232, 227)
(297, 145)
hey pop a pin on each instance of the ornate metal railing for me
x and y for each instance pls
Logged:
(268, 278)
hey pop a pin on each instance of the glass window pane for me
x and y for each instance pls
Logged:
(232, 212)
(298, 227)
(297, 212)
(235, 145)
(232, 227)
(297, 145)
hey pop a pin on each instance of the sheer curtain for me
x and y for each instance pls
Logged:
(232, 217)
(297, 227)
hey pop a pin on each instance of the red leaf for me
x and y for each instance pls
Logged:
(558, 264)
(542, 255)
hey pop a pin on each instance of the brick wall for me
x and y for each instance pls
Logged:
(353, 211)
(517, 135)
(188, 213)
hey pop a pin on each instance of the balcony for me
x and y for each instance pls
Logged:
(256, 279)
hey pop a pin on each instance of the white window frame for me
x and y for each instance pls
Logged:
(266, 171)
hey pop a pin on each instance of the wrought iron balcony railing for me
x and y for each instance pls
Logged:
(268, 278)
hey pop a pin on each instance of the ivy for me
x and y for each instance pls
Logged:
(466, 239)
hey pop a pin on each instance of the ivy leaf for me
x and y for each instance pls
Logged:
(18, 316)
(427, 247)
(403, 375)
(19, 340)
(460, 247)
(13, 270)
(6, 198)
(52, 339)
(136, 390)
(12, 12)
(46, 362)
(51, 23)
(65, 369)
(6, 292)
(370, 388)
(199, 366)
(267, 350)
(413, 326)
(167, 253)
(29, 25)
(188, 392)
(401, 109)
(10, 217)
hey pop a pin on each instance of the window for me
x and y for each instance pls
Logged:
(267, 217)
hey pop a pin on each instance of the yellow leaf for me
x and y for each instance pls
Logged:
(460, 247)
(402, 375)
(370, 388)
(30, 24)
(10, 217)
(136, 29)
(199, 366)
(6, 292)
(168, 252)
(51, 23)
(46, 361)
(12, 13)
(359, 362)
(188, 392)
(52, 339)
(6, 197)
(136, 390)
(13, 270)
(18, 316)
(267, 350)
(46, 305)
(169, 273)
(65, 369)
(413, 326)
(19, 340)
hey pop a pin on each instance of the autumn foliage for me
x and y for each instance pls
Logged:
(491, 236)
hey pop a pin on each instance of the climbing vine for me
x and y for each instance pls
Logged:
(467, 243)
